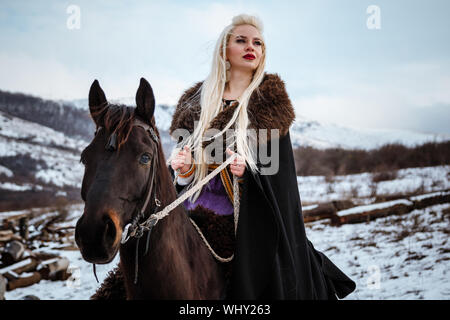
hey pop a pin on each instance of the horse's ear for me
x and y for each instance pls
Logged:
(97, 100)
(145, 100)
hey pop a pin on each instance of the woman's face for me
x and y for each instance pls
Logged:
(245, 48)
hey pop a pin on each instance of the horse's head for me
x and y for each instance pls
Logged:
(118, 163)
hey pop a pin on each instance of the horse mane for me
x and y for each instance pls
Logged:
(116, 118)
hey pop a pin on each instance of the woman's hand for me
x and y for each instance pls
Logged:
(237, 167)
(182, 160)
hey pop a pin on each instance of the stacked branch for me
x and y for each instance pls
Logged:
(23, 264)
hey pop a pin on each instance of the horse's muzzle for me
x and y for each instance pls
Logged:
(98, 238)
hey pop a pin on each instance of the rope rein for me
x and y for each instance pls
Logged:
(163, 213)
(236, 219)
(138, 229)
(148, 224)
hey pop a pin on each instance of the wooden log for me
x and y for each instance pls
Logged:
(430, 199)
(10, 275)
(14, 217)
(13, 251)
(320, 212)
(394, 207)
(58, 264)
(17, 268)
(6, 235)
(30, 266)
(62, 275)
(371, 212)
(43, 256)
(25, 280)
(13, 237)
(44, 220)
(49, 269)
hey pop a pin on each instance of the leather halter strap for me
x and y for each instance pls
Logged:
(112, 145)
(150, 130)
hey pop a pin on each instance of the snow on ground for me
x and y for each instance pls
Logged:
(81, 285)
(395, 257)
(315, 189)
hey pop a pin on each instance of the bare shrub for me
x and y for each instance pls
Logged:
(384, 176)
(387, 158)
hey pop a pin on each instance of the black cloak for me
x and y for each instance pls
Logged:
(273, 257)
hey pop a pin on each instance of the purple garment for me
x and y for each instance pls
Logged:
(214, 197)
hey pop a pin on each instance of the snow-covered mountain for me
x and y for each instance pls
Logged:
(163, 118)
(308, 132)
(163, 113)
(37, 163)
(39, 156)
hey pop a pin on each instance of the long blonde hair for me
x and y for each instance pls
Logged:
(212, 91)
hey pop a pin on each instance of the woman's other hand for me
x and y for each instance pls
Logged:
(182, 160)
(237, 167)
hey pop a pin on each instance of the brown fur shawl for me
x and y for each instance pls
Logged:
(269, 108)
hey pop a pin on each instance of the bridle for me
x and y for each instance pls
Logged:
(134, 228)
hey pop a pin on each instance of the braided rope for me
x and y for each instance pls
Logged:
(209, 246)
(163, 213)
(154, 218)
(236, 202)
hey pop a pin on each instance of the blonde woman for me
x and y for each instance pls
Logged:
(239, 108)
(272, 256)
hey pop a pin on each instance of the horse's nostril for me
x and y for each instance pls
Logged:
(110, 231)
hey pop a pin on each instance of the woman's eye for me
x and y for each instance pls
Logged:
(145, 159)
(240, 40)
(258, 43)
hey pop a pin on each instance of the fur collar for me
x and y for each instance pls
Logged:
(269, 108)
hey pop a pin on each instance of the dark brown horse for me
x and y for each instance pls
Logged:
(118, 169)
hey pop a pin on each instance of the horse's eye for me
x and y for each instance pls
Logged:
(145, 159)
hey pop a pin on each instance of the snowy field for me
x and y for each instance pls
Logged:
(362, 190)
(396, 257)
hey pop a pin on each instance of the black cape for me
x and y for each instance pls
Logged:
(273, 257)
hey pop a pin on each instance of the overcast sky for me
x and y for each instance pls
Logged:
(337, 65)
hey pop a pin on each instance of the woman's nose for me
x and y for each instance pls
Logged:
(250, 47)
